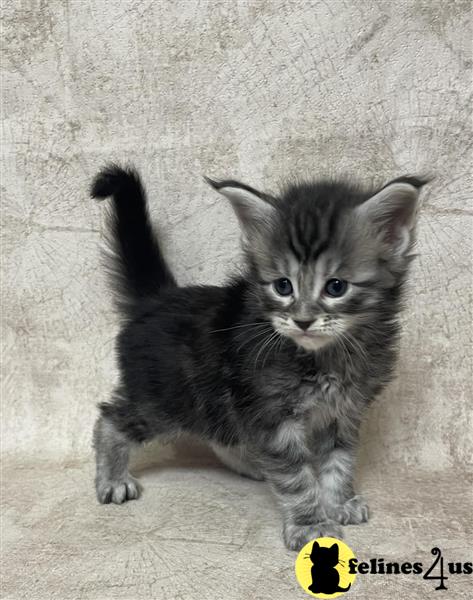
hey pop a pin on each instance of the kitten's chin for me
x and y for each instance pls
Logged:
(311, 342)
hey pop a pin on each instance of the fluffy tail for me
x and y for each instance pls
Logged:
(137, 266)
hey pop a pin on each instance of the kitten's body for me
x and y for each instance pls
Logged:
(221, 363)
(217, 383)
(325, 577)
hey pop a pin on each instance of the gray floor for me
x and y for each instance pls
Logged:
(200, 532)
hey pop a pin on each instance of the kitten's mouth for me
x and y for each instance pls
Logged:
(308, 334)
(310, 340)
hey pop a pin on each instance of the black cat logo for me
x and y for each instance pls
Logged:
(325, 577)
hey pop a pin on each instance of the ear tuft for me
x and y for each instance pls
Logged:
(414, 180)
(212, 182)
(253, 208)
(393, 212)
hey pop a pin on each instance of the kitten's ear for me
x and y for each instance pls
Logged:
(393, 211)
(334, 548)
(253, 209)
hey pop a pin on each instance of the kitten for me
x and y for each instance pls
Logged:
(325, 577)
(274, 369)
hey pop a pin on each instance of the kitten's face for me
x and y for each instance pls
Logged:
(318, 298)
(323, 255)
(310, 302)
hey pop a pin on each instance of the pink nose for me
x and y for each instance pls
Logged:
(304, 325)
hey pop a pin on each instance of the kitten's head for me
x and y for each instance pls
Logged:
(326, 556)
(323, 257)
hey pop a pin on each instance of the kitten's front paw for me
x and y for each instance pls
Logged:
(297, 536)
(117, 491)
(353, 512)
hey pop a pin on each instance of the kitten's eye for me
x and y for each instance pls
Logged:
(336, 287)
(283, 286)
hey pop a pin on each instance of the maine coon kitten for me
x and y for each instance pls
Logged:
(276, 368)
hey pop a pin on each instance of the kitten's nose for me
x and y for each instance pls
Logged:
(304, 325)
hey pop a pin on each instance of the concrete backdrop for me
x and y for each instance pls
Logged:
(255, 90)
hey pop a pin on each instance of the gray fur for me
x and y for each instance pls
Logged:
(113, 483)
(238, 459)
(278, 384)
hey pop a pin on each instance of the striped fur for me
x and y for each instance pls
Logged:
(233, 364)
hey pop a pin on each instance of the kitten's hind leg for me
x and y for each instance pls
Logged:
(113, 483)
(236, 459)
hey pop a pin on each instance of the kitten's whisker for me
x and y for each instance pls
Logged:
(268, 347)
(254, 337)
(346, 353)
(245, 332)
(357, 347)
(239, 326)
(258, 346)
(263, 348)
(271, 348)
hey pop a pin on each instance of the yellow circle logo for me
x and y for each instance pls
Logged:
(322, 568)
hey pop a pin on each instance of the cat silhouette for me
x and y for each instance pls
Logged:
(325, 577)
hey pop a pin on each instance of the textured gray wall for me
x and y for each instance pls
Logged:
(253, 90)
